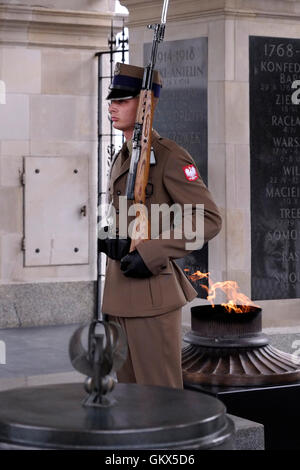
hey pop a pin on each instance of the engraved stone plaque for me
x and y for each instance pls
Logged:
(275, 168)
(182, 113)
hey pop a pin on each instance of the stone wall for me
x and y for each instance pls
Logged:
(48, 72)
(102, 6)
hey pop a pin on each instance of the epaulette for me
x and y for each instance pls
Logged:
(170, 145)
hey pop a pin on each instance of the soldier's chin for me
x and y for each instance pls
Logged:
(117, 126)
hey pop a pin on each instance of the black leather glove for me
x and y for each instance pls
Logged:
(132, 265)
(114, 248)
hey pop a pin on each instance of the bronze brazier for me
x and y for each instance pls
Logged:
(229, 349)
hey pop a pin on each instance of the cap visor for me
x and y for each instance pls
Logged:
(117, 94)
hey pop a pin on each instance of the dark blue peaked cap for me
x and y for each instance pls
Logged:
(127, 82)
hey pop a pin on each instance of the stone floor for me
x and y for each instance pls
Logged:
(37, 355)
(36, 351)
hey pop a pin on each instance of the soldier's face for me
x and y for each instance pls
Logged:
(123, 114)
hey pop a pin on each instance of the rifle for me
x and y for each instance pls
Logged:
(141, 142)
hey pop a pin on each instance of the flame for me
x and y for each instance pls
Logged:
(237, 301)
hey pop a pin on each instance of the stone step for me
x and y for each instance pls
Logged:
(249, 435)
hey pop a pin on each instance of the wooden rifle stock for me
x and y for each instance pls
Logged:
(141, 228)
(140, 160)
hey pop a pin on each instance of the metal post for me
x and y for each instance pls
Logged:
(98, 315)
(98, 311)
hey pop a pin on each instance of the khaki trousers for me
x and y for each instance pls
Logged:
(154, 350)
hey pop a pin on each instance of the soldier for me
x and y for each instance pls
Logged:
(145, 290)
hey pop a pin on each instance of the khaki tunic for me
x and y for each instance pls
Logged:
(169, 288)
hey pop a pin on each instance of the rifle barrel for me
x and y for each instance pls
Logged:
(164, 12)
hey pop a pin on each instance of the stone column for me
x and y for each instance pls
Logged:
(227, 24)
(48, 108)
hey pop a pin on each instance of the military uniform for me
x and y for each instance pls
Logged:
(150, 309)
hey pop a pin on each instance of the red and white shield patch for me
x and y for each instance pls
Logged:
(190, 172)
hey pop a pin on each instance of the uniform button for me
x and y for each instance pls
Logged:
(118, 192)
